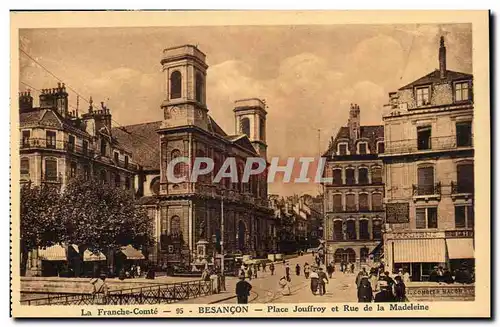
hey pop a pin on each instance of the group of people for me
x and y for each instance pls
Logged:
(444, 275)
(347, 267)
(250, 271)
(379, 286)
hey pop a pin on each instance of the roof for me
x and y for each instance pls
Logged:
(142, 141)
(370, 132)
(434, 77)
(214, 127)
(51, 118)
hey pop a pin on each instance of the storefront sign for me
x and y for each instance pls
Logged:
(414, 235)
(459, 234)
(397, 213)
(465, 292)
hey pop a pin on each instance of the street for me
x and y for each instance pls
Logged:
(265, 288)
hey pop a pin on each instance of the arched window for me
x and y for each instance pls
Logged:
(377, 202)
(175, 85)
(175, 226)
(179, 167)
(262, 129)
(199, 87)
(363, 230)
(337, 203)
(363, 202)
(155, 186)
(350, 203)
(338, 256)
(349, 176)
(245, 126)
(351, 229)
(363, 176)
(377, 229)
(337, 176)
(338, 234)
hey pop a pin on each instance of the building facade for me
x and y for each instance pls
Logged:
(189, 216)
(429, 168)
(353, 201)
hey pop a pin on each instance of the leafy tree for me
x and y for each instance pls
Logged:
(102, 218)
(40, 225)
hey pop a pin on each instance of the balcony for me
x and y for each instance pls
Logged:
(41, 143)
(51, 178)
(462, 190)
(411, 146)
(427, 191)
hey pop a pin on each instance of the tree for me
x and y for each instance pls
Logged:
(40, 225)
(102, 218)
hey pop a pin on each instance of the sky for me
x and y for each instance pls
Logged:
(308, 74)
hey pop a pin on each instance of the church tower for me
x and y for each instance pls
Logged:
(185, 74)
(250, 119)
(354, 122)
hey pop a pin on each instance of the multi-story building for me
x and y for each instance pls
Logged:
(353, 201)
(57, 145)
(429, 168)
(188, 214)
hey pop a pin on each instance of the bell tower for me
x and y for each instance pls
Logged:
(185, 74)
(250, 119)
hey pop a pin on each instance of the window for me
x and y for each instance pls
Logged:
(155, 186)
(25, 169)
(245, 126)
(342, 149)
(127, 183)
(464, 134)
(175, 226)
(71, 143)
(363, 176)
(363, 230)
(422, 95)
(424, 138)
(179, 167)
(362, 148)
(175, 85)
(86, 172)
(363, 254)
(103, 147)
(337, 203)
(377, 202)
(464, 217)
(425, 181)
(262, 129)
(465, 178)
(51, 139)
(338, 234)
(51, 170)
(376, 175)
(350, 201)
(117, 180)
(351, 230)
(199, 87)
(426, 218)
(337, 176)
(126, 161)
(349, 176)
(85, 147)
(363, 202)
(377, 229)
(26, 138)
(462, 91)
(116, 157)
(380, 147)
(72, 169)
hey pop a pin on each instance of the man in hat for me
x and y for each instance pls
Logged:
(243, 289)
(385, 294)
(323, 279)
(434, 275)
(100, 289)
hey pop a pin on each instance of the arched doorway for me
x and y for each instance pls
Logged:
(241, 235)
(350, 255)
(347, 255)
(337, 257)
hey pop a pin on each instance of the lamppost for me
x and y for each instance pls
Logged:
(214, 251)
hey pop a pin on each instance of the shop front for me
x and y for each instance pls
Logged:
(421, 252)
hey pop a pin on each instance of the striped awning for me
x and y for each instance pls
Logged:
(131, 253)
(52, 253)
(88, 256)
(460, 248)
(420, 250)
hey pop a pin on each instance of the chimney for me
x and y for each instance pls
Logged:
(25, 101)
(442, 58)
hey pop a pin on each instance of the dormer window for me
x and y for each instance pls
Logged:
(461, 91)
(342, 149)
(422, 95)
(362, 148)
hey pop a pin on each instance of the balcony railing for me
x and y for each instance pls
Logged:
(50, 178)
(461, 188)
(37, 143)
(411, 145)
(431, 189)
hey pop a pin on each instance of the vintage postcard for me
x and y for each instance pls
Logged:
(250, 164)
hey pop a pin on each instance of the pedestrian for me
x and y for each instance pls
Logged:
(374, 280)
(365, 291)
(100, 290)
(271, 268)
(214, 278)
(352, 267)
(406, 276)
(342, 266)
(323, 280)
(255, 271)
(385, 294)
(361, 274)
(138, 271)
(440, 273)
(314, 281)
(284, 285)
(248, 272)
(434, 276)
(400, 289)
(307, 270)
(297, 270)
(264, 266)
(243, 289)
(205, 275)
(447, 277)
(287, 272)
(386, 277)
(329, 270)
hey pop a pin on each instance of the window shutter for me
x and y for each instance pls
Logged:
(465, 177)
(420, 218)
(363, 229)
(470, 217)
(426, 176)
(363, 201)
(459, 217)
(376, 201)
(337, 202)
(350, 202)
(432, 218)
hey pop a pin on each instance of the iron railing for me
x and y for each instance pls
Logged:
(162, 293)
(427, 189)
(435, 143)
(461, 188)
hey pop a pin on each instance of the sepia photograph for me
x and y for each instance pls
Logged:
(269, 170)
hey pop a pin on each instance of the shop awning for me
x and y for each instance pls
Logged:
(52, 253)
(460, 248)
(88, 256)
(420, 250)
(131, 253)
(379, 249)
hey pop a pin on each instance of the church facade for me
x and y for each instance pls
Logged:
(200, 218)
